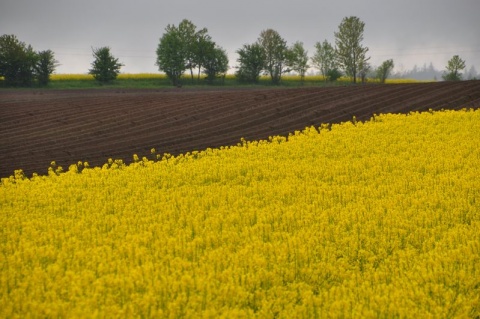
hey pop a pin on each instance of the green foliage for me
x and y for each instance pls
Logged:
(324, 59)
(275, 48)
(184, 47)
(350, 53)
(105, 67)
(45, 66)
(297, 59)
(251, 63)
(204, 46)
(216, 63)
(197, 45)
(383, 71)
(187, 33)
(172, 54)
(17, 61)
(454, 66)
(333, 75)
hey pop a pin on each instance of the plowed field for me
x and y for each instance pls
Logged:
(39, 126)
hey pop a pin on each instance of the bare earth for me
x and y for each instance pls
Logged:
(39, 126)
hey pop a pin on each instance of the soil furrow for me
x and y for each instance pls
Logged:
(39, 126)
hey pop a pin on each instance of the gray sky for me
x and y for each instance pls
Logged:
(408, 31)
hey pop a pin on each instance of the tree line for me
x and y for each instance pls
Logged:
(187, 49)
(182, 47)
(20, 65)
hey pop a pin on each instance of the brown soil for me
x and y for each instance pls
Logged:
(39, 126)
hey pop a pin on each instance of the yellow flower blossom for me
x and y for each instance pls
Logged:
(366, 220)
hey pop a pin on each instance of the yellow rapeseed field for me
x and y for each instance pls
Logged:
(356, 220)
(160, 76)
(121, 76)
(71, 77)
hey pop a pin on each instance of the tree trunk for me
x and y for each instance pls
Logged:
(354, 68)
(191, 73)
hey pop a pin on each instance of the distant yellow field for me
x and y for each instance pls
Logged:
(138, 76)
(81, 77)
(71, 77)
(133, 76)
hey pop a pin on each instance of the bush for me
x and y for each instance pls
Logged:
(333, 75)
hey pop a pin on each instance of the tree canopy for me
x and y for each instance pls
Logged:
(351, 55)
(105, 67)
(20, 65)
(454, 66)
(275, 50)
(216, 63)
(17, 61)
(186, 48)
(172, 54)
(384, 70)
(324, 59)
(297, 59)
(251, 59)
(197, 45)
(45, 66)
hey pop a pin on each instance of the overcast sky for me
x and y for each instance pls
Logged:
(408, 31)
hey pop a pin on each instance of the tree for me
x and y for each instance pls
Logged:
(251, 59)
(297, 59)
(184, 47)
(350, 53)
(45, 66)
(454, 66)
(186, 32)
(196, 44)
(472, 73)
(17, 61)
(216, 63)
(172, 54)
(384, 70)
(202, 50)
(275, 48)
(324, 59)
(105, 67)
(364, 69)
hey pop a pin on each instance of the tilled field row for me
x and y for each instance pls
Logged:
(37, 127)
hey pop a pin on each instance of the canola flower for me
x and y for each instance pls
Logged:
(379, 219)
